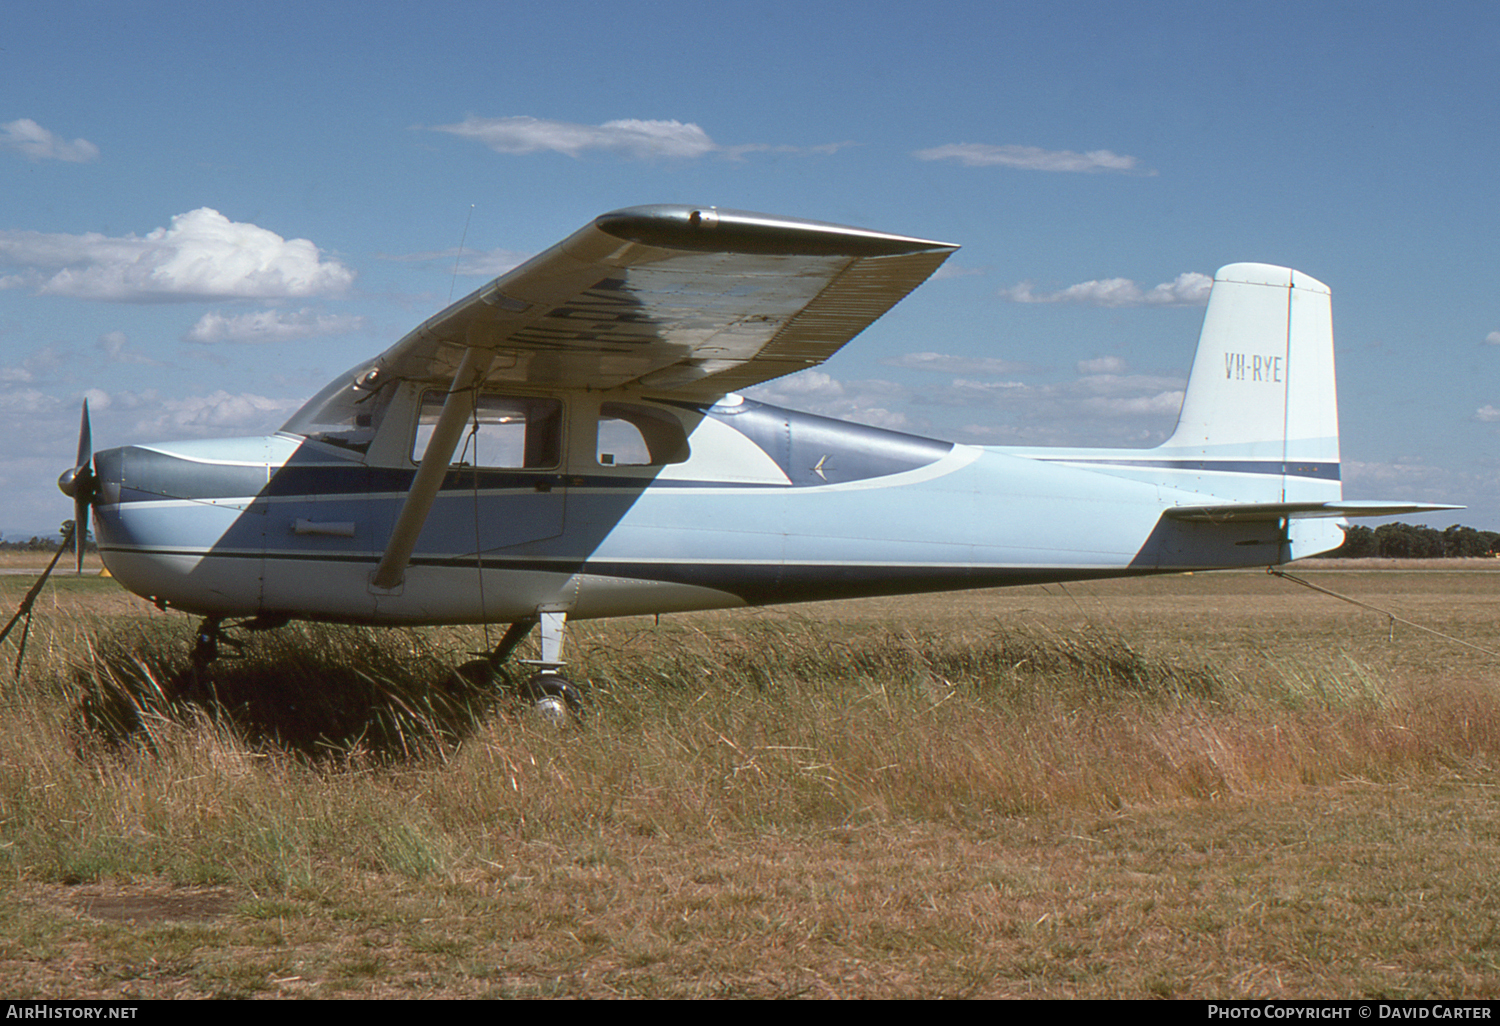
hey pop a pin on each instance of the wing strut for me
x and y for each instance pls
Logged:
(457, 409)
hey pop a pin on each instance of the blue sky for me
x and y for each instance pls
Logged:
(209, 210)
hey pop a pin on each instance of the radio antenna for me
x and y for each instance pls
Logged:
(460, 254)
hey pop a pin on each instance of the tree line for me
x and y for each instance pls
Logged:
(44, 543)
(1405, 541)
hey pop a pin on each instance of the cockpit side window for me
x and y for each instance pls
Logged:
(631, 435)
(505, 431)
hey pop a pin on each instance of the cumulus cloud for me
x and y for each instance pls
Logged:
(269, 326)
(633, 138)
(1033, 158)
(201, 255)
(1187, 289)
(1488, 414)
(34, 142)
(1493, 338)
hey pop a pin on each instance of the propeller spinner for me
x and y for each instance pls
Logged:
(79, 484)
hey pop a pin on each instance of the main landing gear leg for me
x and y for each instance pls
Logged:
(514, 635)
(547, 688)
(205, 653)
(206, 647)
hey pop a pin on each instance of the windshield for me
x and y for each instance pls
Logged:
(347, 411)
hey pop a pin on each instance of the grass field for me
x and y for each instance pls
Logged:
(1212, 785)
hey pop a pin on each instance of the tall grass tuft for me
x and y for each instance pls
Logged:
(314, 690)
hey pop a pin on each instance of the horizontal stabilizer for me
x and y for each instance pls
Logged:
(1242, 512)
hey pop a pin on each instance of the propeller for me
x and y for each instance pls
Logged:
(79, 484)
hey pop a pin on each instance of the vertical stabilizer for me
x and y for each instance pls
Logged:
(1260, 416)
(1260, 421)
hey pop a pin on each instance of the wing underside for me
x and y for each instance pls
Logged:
(687, 301)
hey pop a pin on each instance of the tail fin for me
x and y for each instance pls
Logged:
(1258, 435)
(1260, 416)
(1259, 428)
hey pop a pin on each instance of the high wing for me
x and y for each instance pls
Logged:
(689, 301)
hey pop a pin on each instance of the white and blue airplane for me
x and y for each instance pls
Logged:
(568, 442)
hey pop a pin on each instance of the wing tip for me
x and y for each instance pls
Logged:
(707, 228)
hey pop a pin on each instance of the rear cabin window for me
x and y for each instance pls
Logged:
(505, 431)
(639, 436)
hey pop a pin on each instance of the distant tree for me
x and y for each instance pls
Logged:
(1359, 543)
(1465, 543)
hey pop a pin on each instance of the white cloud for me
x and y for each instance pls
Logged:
(1101, 405)
(115, 347)
(1102, 365)
(1488, 414)
(808, 383)
(1187, 289)
(632, 138)
(1160, 404)
(36, 143)
(218, 413)
(201, 255)
(1493, 338)
(1032, 158)
(864, 402)
(28, 402)
(39, 364)
(270, 326)
(947, 364)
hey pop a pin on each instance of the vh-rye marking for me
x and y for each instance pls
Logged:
(1252, 367)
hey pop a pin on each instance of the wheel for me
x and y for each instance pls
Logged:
(552, 696)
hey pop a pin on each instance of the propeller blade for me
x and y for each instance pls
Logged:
(85, 438)
(83, 491)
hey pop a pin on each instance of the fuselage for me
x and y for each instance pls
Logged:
(606, 506)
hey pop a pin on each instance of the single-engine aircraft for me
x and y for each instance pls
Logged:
(569, 441)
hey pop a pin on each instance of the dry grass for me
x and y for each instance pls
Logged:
(1209, 785)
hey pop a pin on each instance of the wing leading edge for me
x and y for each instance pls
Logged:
(688, 301)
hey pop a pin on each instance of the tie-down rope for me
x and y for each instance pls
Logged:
(1384, 612)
